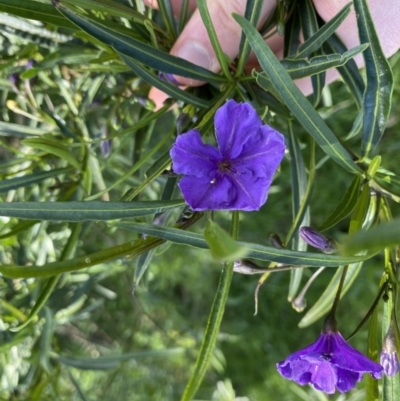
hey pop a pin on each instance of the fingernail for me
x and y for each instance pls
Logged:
(195, 53)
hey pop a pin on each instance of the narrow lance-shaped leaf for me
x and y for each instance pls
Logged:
(35, 10)
(299, 185)
(295, 100)
(349, 72)
(379, 78)
(213, 323)
(164, 86)
(252, 13)
(373, 240)
(309, 27)
(142, 52)
(82, 211)
(315, 41)
(299, 68)
(255, 251)
(345, 206)
(29, 179)
(221, 56)
(54, 147)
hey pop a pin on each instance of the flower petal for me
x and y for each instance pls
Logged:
(203, 193)
(324, 377)
(346, 357)
(347, 379)
(251, 193)
(234, 124)
(262, 152)
(192, 157)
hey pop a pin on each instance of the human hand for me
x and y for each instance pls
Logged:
(193, 44)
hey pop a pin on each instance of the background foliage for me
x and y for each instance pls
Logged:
(127, 316)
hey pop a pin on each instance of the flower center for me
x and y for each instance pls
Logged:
(224, 166)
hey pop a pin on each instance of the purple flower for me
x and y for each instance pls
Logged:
(317, 240)
(238, 174)
(327, 364)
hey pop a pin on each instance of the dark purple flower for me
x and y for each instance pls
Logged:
(168, 78)
(317, 240)
(328, 363)
(238, 174)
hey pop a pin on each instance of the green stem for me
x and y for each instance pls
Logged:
(213, 324)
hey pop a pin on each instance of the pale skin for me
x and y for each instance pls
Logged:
(193, 43)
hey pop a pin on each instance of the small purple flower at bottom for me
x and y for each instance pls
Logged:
(327, 364)
(237, 174)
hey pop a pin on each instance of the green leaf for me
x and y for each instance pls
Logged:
(379, 78)
(299, 68)
(372, 389)
(35, 10)
(116, 9)
(375, 239)
(140, 51)
(292, 32)
(295, 100)
(373, 166)
(360, 210)
(54, 147)
(20, 131)
(168, 16)
(252, 14)
(83, 211)
(255, 251)
(309, 26)
(315, 41)
(46, 336)
(131, 248)
(29, 179)
(349, 72)
(164, 86)
(20, 227)
(212, 35)
(324, 303)
(345, 206)
(221, 244)
(299, 186)
(213, 323)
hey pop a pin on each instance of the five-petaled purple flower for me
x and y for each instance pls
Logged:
(327, 364)
(236, 176)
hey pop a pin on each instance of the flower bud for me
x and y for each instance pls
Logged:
(15, 81)
(317, 240)
(31, 63)
(276, 241)
(389, 358)
(168, 78)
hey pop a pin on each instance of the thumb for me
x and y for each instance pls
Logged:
(194, 44)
